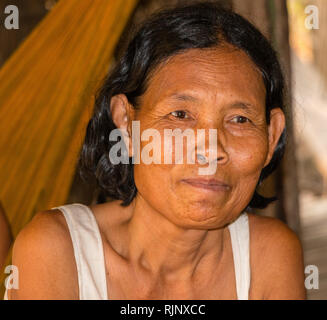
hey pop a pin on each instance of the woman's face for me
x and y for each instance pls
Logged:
(213, 89)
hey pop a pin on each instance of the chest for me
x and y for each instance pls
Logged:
(125, 282)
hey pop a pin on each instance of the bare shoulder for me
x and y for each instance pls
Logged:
(271, 230)
(43, 253)
(276, 259)
(272, 236)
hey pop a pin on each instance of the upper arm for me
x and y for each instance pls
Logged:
(280, 260)
(286, 274)
(43, 254)
(5, 237)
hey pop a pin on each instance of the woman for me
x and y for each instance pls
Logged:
(171, 232)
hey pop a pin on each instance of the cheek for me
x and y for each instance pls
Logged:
(248, 155)
(246, 159)
(166, 150)
(153, 182)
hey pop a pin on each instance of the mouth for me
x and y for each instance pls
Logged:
(207, 184)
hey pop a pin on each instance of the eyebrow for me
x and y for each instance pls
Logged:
(242, 105)
(183, 97)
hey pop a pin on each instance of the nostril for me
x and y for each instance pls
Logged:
(201, 159)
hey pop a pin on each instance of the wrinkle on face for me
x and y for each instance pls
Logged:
(210, 71)
(213, 86)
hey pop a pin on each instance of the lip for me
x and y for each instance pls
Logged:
(208, 184)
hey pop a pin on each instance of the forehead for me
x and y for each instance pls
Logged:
(218, 73)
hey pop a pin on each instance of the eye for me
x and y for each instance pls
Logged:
(180, 114)
(240, 119)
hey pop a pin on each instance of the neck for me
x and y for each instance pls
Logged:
(168, 251)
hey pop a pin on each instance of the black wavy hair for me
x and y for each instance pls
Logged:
(165, 34)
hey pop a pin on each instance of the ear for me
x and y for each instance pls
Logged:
(122, 113)
(275, 130)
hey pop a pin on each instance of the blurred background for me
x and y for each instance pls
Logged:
(52, 64)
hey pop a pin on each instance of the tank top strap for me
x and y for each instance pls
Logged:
(88, 251)
(240, 238)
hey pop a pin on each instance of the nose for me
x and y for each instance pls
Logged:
(211, 147)
(202, 159)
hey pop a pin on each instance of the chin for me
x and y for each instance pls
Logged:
(197, 216)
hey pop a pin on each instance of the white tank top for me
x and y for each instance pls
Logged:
(89, 255)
